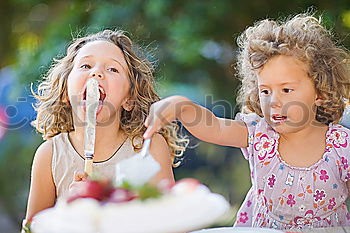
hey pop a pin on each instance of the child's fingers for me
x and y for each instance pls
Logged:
(152, 129)
(76, 187)
(147, 121)
(80, 176)
(156, 119)
(151, 115)
(149, 132)
(150, 123)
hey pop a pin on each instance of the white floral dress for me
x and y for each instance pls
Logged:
(287, 197)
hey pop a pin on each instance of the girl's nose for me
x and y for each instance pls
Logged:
(96, 73)
(275, 101)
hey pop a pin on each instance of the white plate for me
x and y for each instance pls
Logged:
(168, 214)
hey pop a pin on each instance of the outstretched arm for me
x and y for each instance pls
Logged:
(201, 122)
(42, 192)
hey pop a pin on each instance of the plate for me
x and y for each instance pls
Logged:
(168, 214)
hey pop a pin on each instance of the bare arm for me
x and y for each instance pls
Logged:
(201, 122)
(42, 192)
(348, 185)
(160, 151)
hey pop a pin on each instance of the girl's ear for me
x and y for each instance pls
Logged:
(127, 105)
(319, 100)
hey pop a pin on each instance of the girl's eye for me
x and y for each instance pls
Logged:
(85, 66)
(287, 90)
(265, 92)
(114, 70)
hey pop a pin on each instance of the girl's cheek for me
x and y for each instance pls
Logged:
(299, 113)
(264, 107)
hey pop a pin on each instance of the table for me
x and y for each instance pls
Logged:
(266, 230)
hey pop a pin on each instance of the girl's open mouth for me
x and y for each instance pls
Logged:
(278, 119)
(100, 102)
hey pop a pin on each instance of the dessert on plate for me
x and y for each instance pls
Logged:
(99, 207)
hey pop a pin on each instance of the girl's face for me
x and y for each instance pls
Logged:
(287, 94)
(105, 62)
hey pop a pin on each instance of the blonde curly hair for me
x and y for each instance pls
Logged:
(304, 37)
(54, 112)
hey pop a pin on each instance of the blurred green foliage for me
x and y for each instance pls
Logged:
(193, 43)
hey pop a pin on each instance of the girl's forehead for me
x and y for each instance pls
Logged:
(101, 49)
(283, 69)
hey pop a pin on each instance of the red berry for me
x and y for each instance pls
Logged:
(190, 181)
(185, 185)
(98, 190)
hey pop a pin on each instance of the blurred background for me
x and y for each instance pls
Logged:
(193, 43)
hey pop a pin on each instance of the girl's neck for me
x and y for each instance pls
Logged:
(108, 138)
(303, 148)
(308, 133)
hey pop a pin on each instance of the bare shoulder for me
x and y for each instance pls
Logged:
(160, 149)
(41, 180)
(43, 154)
(158, 141)
(161, 153)
(45, 147)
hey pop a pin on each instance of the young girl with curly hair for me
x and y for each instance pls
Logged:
(295, 87)
(126, 86)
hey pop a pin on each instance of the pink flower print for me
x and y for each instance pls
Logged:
(298, 220)
(319, 195)
(310, 216)
(307, 219)
(331, 203)
(243, 217)
(345, 163)
(347, 176)
(328, 220)
(265, 146)
(249, 203)
(338, 138)
(271, 180)
(324, 175)
(290, 200)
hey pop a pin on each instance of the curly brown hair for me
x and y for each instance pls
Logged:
(54, 112)
(304, 37)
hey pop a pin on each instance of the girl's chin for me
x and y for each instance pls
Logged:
(285, 129)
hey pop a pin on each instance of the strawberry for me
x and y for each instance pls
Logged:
(189, 181)
(185, 185)
(98, 190)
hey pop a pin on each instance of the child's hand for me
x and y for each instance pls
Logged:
(163, 112)
(75, 186)
(198, 120)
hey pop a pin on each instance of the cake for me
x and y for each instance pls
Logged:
(101, 208)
